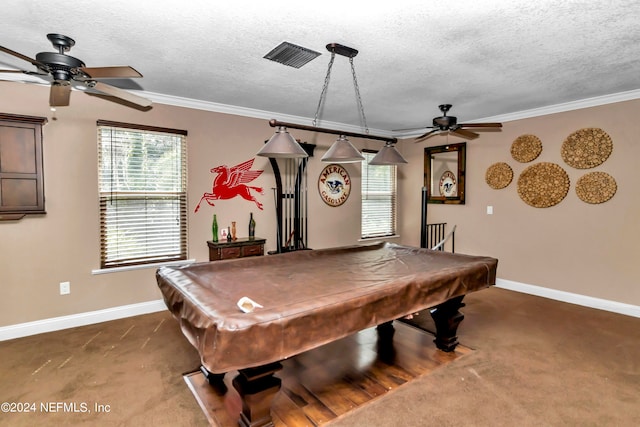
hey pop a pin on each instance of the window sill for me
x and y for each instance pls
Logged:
(140, 267)
(369, 239)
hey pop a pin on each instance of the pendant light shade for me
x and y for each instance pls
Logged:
(388, 155)
(282, 145)
(342, 151)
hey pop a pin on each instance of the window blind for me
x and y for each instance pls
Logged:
(142, 191)
(378, 198)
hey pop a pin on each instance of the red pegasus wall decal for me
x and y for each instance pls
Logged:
(231, 182)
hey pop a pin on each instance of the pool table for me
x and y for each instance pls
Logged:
(309, 298)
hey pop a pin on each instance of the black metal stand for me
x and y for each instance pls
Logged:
(423, 219)
(291, 215)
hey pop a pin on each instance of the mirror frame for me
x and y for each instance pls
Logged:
(429, 152)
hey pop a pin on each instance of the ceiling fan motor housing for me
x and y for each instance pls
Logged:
(60, 66)
(445, 122)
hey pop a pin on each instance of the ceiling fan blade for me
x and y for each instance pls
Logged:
(29, 73)
(59, 94)
(480, 125)
(426, 135)
(14, 71)
(120, 93)
(464, 133)
(407, 129)
(124, 72)
(23, 57)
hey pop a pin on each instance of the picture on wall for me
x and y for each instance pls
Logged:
(334, 185)
(231, 182)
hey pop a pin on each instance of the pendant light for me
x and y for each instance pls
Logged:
(282, 145)
(342, 151)
(388, 155)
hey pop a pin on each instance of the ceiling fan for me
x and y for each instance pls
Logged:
(65, 69)
(450, 124)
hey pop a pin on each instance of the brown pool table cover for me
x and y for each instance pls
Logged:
(309, 297)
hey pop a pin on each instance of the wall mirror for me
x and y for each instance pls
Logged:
(444, 170)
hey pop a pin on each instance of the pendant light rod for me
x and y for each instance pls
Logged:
(274, 123)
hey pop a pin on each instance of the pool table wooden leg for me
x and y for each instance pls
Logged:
(447, 318)
(385, 347)
(257, 387)
(386, 330)
(215, 380)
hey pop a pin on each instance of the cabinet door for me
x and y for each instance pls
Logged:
(21, 177)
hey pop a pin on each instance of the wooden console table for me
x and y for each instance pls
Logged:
(239, 248)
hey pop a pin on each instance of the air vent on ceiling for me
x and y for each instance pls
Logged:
(292, 55)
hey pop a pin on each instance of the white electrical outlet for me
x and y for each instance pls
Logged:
(65, 288)
(489, 210)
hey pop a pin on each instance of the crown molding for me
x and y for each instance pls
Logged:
(595, 101)
(250, 112)
(261, 114)
(267, 115)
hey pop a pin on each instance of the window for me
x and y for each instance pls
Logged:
(378, 198)
(143, 200)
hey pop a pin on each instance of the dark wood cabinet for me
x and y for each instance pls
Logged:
(238, 248)
(21, 176)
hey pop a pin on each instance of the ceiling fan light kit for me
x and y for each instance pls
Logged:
(65, 69)
(342, 151)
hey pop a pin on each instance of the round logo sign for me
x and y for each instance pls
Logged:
(334, 185)
(448, 184)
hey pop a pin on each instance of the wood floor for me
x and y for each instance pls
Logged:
(321, 385)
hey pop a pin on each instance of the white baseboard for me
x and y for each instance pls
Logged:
(583, 300)
(89, 318)
(81, 319)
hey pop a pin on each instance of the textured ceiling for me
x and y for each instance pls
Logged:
(487, 58)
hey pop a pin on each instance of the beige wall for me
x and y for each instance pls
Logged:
(573, 246)
(39, 252)
(576, 247)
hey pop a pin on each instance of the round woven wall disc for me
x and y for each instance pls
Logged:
(499, 175)
(543, 185)
(587, 148)
(596, 187)
(526, 148)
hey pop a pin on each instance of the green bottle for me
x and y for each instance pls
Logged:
(214, 228)
(252, 226)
